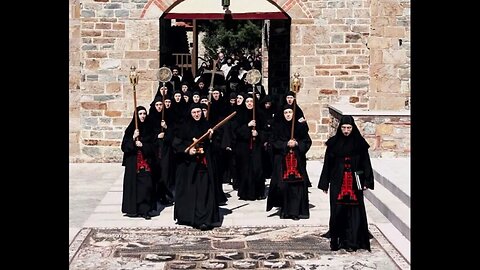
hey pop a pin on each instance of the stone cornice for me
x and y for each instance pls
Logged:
(347, 109)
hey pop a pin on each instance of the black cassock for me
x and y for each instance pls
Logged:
(248, 154)
(195, 199)
(290, 196)
(137, 187)
(348, 219)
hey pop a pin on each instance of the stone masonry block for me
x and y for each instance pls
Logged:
(113, 87)
(345, 78)
(384, 129)
(110, 64)
(361, 59)
(302, 50)
(103, 40)
(123, 121)
(103, 25)
(353, 38)
(395, 57)
(93, 105)
(114, 135)
(328, 92)
(394, 31)
(74, 80)
(113, 113)
(327, 59)
(387, 144)
(388, 85)
(305, 71)
(96, 54)
(390, 8)
(73, 143)
(91, 151)
(353, 99)
(361, 13)
(118, 26)
(92, 87)
(114, 33)
(339, 72)
(136, 29)
(311, 111)
(379, 42)
(141, 54)
(380, 21)
(91, 33)
(315, 35)
(117, 105)
(343, 13)
(319, 83)
(344, 60)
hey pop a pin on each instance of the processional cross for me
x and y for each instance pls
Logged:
(213, 72)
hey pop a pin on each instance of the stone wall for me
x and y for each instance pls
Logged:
(353, 52)
(113, 35)
(349, 52)
(74, 77)
(387, 132)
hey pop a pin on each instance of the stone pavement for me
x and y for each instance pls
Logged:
(96, 190)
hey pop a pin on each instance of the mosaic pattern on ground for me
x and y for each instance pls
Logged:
(279, 247)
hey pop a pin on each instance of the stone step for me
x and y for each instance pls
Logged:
(394, 175)
(395, 210)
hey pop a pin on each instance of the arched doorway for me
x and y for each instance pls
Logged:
(175, 50)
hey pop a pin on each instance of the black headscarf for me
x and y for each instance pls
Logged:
(341, 145)
(282, 129)
(143, 127)
(191, 128)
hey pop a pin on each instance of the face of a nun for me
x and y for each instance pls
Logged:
(249, 103)
(204, 112)
(168, 102)
(196, 98)
(163, 90)
(196, 113)
(346, 129)
(142, 114)
(177, 97)
(216, 95)
(159, 106)
(239, 99)
(290, 100)
(288, 114)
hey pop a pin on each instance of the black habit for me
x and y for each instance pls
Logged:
(344, 156)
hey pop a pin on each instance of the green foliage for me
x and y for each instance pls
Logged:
(232, 36)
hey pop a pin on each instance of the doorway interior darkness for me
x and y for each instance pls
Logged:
(173, 40)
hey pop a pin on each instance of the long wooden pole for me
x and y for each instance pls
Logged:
(135, 106)
(254, 97)
(210, 88)
(214, 128)
(293, 118)
(163, 106)
(195, 49)
(295, 88)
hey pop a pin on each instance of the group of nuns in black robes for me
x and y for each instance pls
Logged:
(163, 167)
